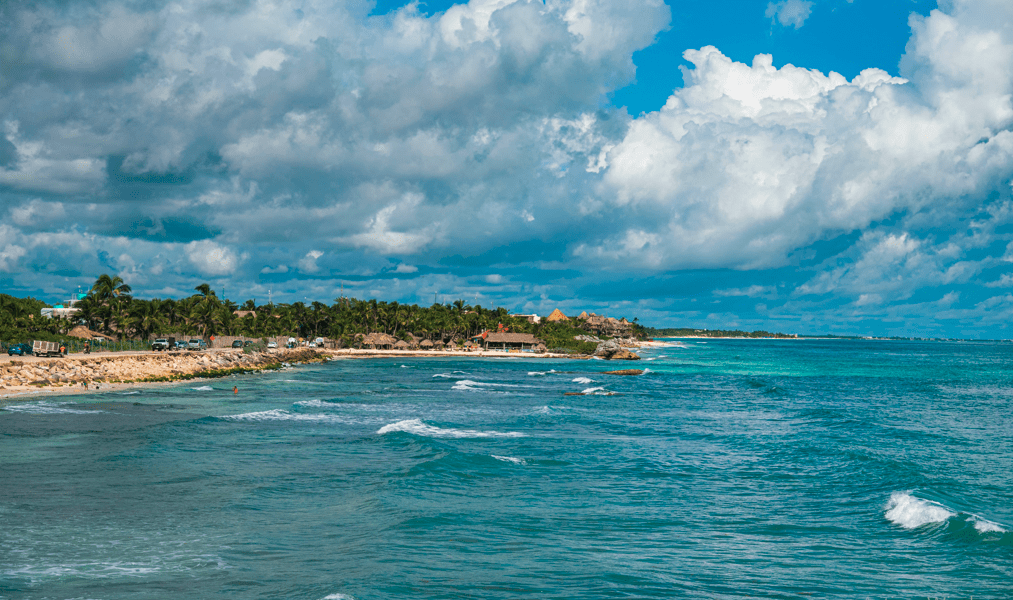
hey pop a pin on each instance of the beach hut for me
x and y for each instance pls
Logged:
(426, 344)
(510, 341)
(438, 345)
(401, 345)
(540, 348)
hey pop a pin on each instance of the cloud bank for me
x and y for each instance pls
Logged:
(304, 147)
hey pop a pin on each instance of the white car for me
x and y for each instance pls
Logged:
(272, 344)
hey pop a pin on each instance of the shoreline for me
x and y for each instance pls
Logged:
(77, 374)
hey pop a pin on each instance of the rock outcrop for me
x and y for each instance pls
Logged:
(613, 350)
(135, 368)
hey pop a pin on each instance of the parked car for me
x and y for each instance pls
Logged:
(181, 345)
(20, 350)
(197, 344)
(163, 344)
(237, 344)
(272, 344)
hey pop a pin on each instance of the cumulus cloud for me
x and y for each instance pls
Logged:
(293, 139)
(210, 258)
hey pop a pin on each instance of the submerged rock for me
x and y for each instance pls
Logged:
(625, 372)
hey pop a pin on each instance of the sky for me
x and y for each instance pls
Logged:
(823, 166)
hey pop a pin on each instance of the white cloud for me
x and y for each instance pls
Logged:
(747, 163)
(789, 12)
(308, 263)
(211, 258)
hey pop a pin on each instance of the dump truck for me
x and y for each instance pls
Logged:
(40, 348)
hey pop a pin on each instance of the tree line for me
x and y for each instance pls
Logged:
(110, 308)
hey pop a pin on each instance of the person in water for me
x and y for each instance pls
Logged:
(235, 389)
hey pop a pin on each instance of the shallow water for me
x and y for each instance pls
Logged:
(731, 469)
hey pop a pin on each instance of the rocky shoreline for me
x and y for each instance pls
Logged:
(85, 371)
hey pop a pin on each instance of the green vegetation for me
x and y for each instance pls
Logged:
(109, 308)
(559, 338)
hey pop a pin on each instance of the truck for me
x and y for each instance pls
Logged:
(40, 348)
(164, 344)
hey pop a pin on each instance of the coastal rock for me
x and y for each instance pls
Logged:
(625, 372)
(613, 350)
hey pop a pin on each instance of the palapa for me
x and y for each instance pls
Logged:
(557, 315)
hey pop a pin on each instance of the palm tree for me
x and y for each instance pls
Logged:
(110, 294)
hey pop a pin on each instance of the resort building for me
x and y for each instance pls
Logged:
(511, 341)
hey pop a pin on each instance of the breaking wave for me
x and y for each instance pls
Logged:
(510, 459)
(203, 388)
(910, 512)
(417, 427)
(597, 391)
(537, 373)
(583, 380)
(279, 414)
(453, 375)
(467, 385)
(48, 408)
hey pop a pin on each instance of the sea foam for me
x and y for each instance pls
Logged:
(509, 459)
(417, 427)
(583, 380)
(48, 408)
(467, 385)
(985, 526)
(910, 512)
(203, 388)
(279, 414)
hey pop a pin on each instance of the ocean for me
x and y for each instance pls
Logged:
(729, 469)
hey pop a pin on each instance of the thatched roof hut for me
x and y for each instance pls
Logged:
(401, 345)
(426, 344)
(540, 348)
(557, 315)
(87, 334)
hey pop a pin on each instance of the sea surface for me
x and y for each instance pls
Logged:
(729, 469)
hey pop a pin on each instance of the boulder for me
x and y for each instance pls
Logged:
(613, 350)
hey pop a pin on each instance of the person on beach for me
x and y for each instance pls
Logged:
(87, 348)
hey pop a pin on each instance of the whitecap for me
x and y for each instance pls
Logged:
(279, 414)
(48, 408)
(509, 459)
(203, 388)
(454, 375)
(597, 391)
(129, 393)
(910, 512)
(538, 373)
(337, 597)
(404, 366)
(467, 385)
(417, 427)
(583, 380)
(985, 526)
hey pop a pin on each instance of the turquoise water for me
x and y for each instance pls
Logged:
(731, 469)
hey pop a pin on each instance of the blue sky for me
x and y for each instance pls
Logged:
(801, 166)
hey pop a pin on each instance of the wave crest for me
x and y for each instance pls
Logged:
(417, 427)
(910, 512)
